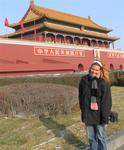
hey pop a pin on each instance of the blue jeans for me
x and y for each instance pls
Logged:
(97, 137)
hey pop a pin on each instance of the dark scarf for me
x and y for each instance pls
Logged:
(94, 93)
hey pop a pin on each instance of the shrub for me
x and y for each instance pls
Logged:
(120, 81)
(115, 75)
(44, 95)
(38, 99)
(66, 79)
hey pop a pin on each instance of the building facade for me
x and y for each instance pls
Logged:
(42, 24)
(58, 41)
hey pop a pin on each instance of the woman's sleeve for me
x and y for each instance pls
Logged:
(106, 103)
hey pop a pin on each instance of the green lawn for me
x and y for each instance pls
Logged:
(66, 131)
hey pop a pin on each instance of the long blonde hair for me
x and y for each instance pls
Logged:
(104, 72)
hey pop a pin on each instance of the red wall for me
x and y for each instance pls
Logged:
(21, 59)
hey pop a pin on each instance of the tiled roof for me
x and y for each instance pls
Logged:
(61, 16)
(78, 31)
(36, 12)
(63, 28)
(27, 29)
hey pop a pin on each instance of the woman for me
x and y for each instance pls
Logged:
(95, 104)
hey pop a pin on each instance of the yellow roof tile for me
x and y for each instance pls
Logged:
(78, 31)
(61, 16)
(68, 29)
(36, 12)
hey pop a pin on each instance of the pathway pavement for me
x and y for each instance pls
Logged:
(116, 141)
(121, 148)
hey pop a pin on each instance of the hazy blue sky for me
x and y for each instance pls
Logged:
(107, 13)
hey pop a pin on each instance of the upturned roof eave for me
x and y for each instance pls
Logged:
(83, 33)
(34, 9)
(14, 25)
(18, 24)
(80, 24)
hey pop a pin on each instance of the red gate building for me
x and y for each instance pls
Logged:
(50, 41)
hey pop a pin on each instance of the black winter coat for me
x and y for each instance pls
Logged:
(104, 101)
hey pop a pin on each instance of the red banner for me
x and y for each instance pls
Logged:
(6, 22)
(82, 28)
(34, 28)
(22, 26)
(58, 52)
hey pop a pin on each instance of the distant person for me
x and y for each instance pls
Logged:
(95, 103)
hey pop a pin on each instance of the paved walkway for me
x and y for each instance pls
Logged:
(121, 148)
(116, 141)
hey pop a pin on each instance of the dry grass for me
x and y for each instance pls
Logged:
(65, 132)
(38, 99)
(118, 105)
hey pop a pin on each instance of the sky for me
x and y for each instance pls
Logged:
(107, 13)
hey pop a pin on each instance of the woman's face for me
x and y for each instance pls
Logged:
(95, 71)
